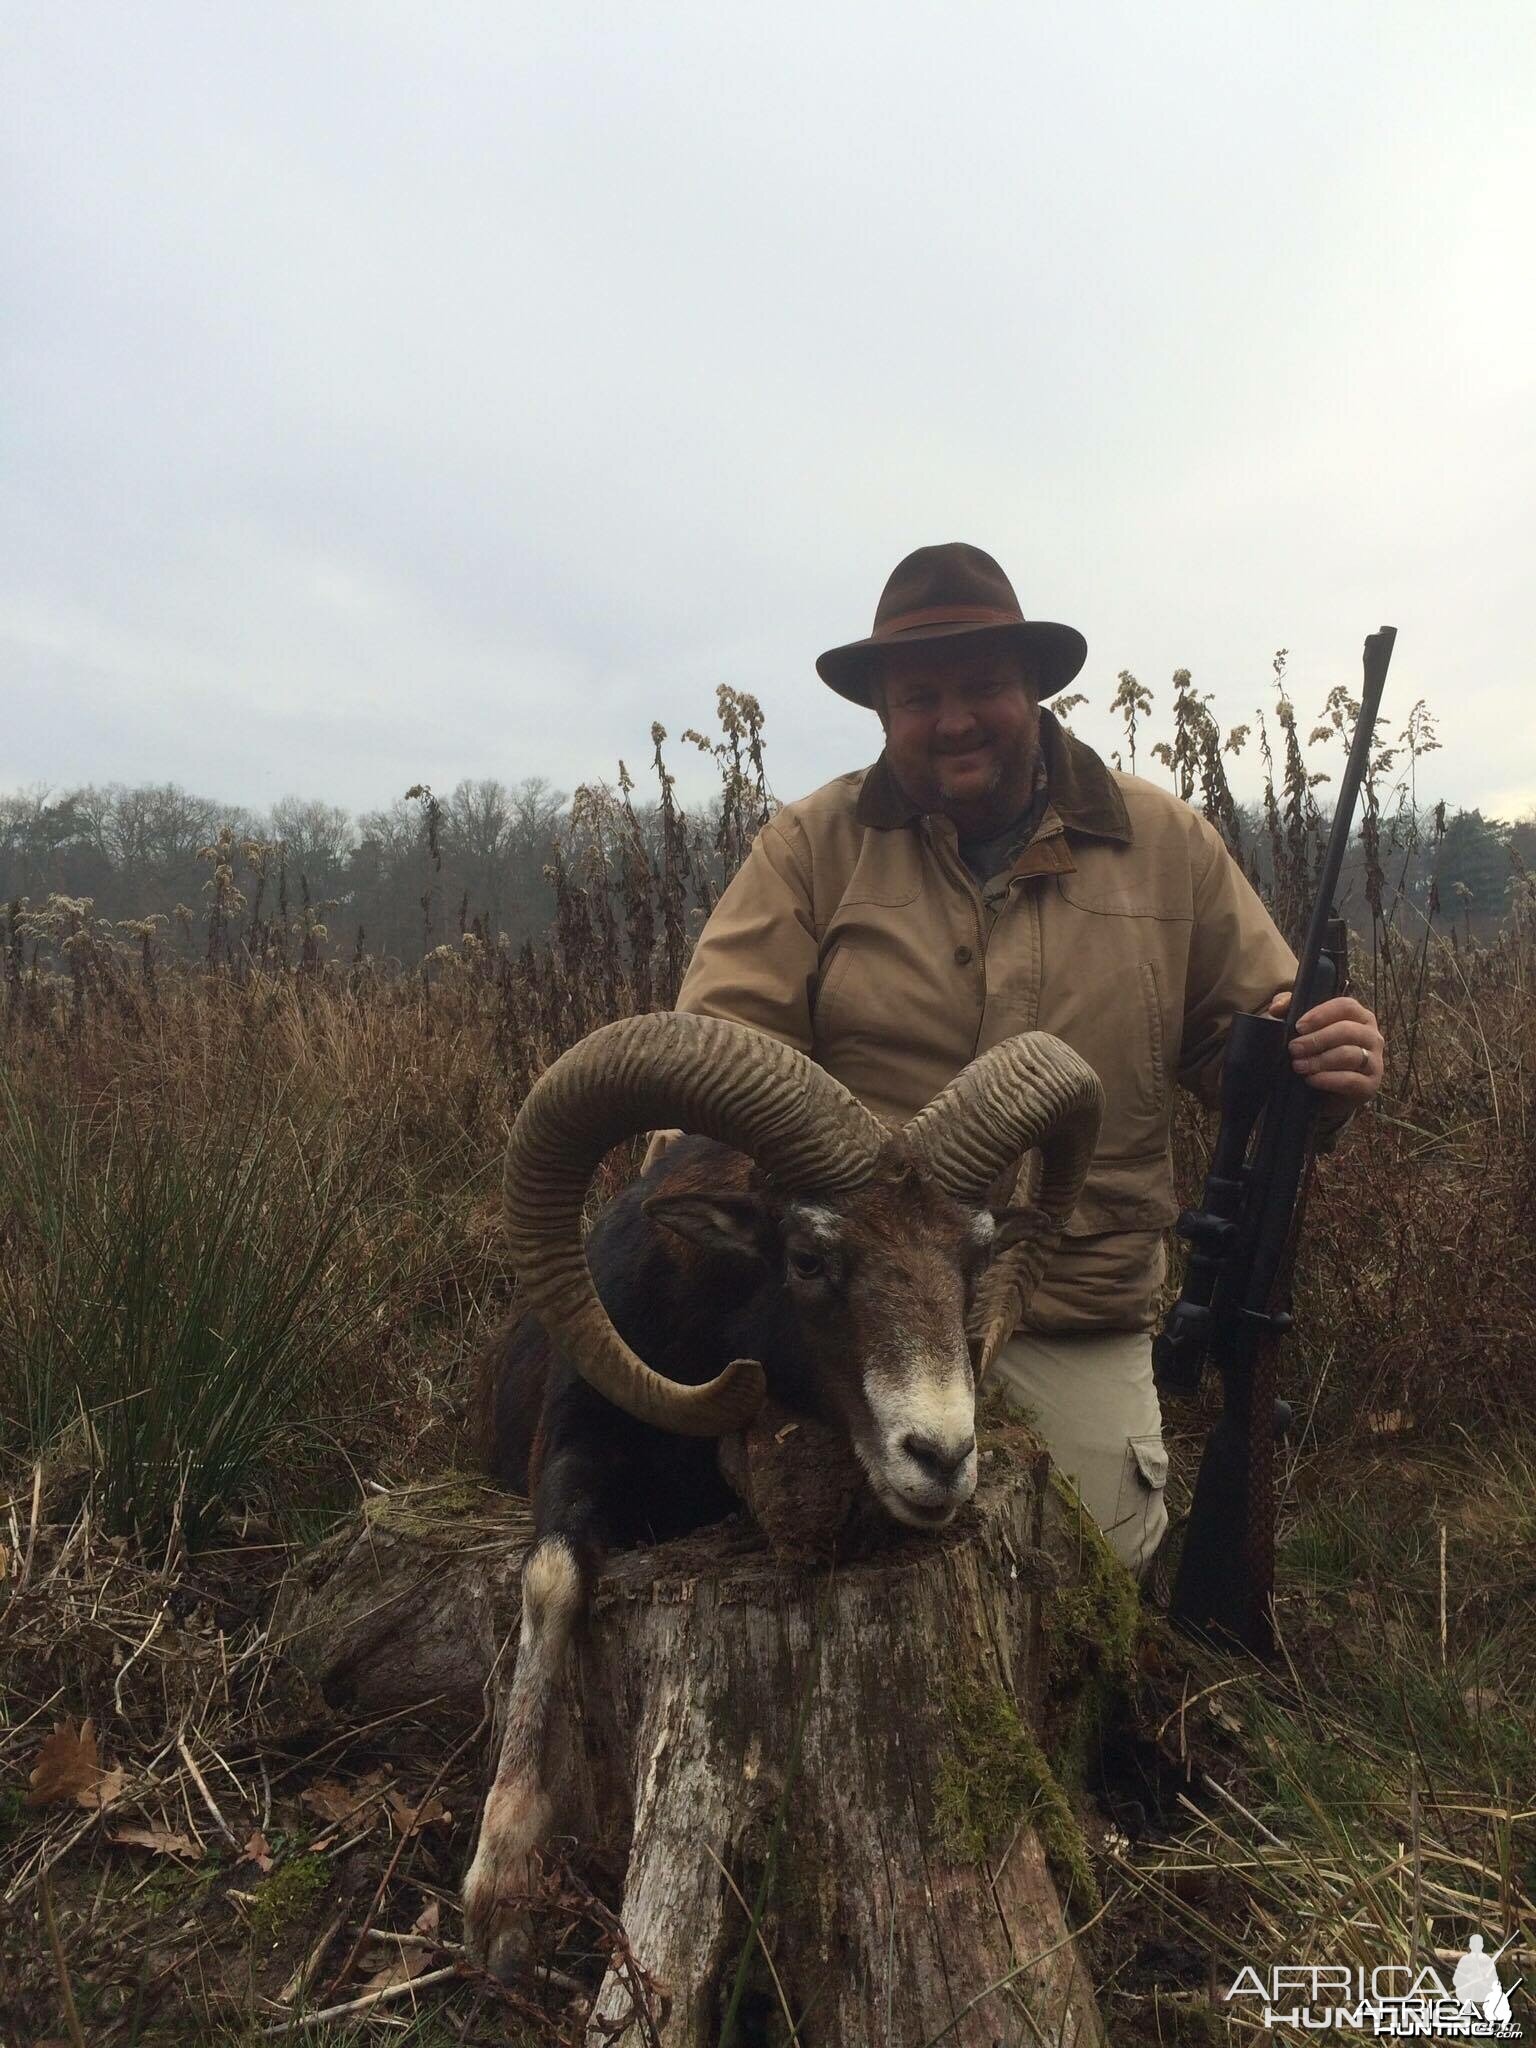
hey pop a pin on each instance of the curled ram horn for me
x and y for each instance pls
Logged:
(1030, 1091)
(707, 1075)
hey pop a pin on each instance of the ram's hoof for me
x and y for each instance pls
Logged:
(497, 1931)
(500, 1880)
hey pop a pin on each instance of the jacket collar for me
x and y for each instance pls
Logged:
(1083, 793)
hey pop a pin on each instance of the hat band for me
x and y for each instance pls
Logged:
(947, 615)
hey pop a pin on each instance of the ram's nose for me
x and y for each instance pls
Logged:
(932, 1476)
(942, 1462)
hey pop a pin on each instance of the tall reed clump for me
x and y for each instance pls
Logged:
(1415, 1260)
(249, 1232)
(247, 1188)
(175, 1296)
(1416, 1276)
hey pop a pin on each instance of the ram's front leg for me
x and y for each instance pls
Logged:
(516, 1816)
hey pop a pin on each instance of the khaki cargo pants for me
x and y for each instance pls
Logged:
(1092, 1399)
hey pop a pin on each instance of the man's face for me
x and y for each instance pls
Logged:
(961, 730)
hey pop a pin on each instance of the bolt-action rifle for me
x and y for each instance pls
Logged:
(1229, 1310)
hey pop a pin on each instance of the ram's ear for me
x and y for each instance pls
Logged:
(999, 1197)
(1010, 1225)
(717, 1223)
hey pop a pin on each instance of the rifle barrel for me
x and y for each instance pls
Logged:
(1378, 653)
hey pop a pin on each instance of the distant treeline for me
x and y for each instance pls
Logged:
(394, 883)
(491, 857)
(1465, 867)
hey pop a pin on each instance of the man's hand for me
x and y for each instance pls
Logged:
(1338, 1047)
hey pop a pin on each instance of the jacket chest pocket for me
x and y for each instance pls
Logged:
(1113, 1013)
(894, 990)
(1116, 951)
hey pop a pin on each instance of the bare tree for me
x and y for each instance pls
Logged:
(318, 838)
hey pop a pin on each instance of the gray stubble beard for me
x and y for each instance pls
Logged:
(990, 787)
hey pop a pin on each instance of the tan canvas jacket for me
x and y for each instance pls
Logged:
(855, 932)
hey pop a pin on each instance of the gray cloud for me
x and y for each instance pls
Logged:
(397, 393)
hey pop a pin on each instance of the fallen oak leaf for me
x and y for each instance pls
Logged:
(412, 1819)
(68, 1767)
(328, 1799)
(401, 1968)
(161, 1840)
(331, 1801)
(109, 1788)
(258, 1851)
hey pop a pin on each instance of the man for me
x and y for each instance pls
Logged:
(990, 875)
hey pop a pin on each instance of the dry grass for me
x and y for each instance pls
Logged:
(1370, 1799)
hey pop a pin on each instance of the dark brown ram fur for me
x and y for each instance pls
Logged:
(855, 1307)
(899, 1257)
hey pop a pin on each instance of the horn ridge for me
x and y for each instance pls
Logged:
(1031, 1091)
(712, 1076)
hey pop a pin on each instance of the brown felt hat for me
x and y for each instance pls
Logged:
(939, 594)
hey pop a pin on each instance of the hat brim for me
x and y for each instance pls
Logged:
(1057, 652)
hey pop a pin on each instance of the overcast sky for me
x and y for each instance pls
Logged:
(405, 392)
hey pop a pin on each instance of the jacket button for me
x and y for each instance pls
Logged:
(962, 956)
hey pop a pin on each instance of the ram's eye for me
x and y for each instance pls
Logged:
(809, 1265)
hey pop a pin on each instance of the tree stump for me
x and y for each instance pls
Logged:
(851, 1748)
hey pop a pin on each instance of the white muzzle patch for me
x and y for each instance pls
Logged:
(920, 1451)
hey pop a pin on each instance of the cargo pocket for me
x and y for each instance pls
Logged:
(1148, 1524)
(1151, 1461)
